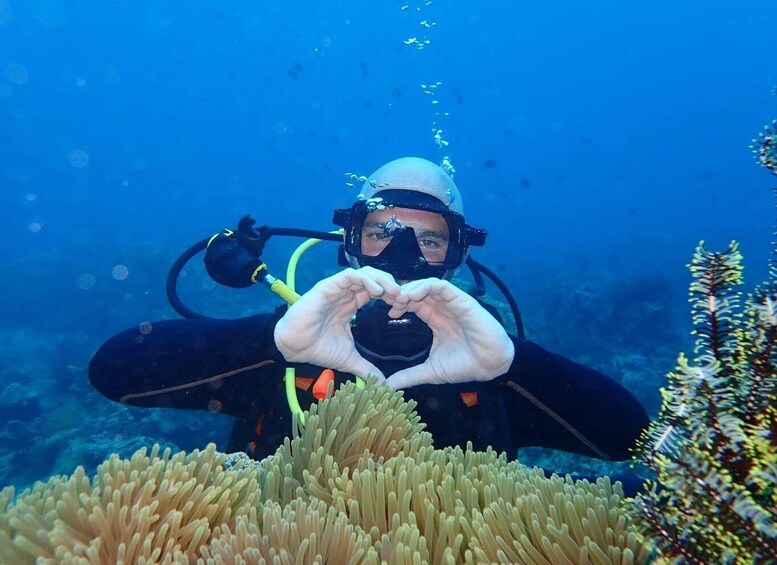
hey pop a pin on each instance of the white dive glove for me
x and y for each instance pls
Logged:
(317, 328)
(468, 343)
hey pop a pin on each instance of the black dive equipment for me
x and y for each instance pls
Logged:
(406, 338)
(234, 265)
(232, 258)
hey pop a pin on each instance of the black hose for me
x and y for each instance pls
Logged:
(326, 236)
(475, 266)
(172, 280)
(480, 285)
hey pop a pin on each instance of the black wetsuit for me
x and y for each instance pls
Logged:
(233, 367)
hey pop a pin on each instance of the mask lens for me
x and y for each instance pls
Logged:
(431, 232)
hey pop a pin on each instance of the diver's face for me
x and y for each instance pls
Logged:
(431, 231)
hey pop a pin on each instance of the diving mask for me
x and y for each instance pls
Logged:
(406, 233)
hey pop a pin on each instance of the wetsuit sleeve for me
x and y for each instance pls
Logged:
(188, 363)
(556, 403)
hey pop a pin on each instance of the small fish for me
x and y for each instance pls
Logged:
(489, 164)
(525, 183)
(457, 95)
(294, 71)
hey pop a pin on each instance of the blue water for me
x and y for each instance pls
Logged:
(597, 141)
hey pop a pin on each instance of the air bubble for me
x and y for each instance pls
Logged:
(78, 158)
(15, 73)
(120, 272)
(86, 281)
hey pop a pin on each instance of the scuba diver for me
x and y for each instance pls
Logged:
(392, 313)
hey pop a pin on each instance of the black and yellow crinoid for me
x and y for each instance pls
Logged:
(714, 443)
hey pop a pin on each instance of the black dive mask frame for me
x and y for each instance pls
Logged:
(402, 257)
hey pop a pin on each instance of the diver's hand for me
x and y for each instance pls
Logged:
(317, 328)
(468, 344)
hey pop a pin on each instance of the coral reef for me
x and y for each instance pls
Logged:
(360, 482)
(714, 444)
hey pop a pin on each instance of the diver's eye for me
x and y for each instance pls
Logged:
(428, 244)
(378, 236)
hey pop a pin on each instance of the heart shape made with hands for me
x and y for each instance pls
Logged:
(468, 343)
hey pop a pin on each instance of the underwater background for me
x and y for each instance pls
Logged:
(597, 142)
